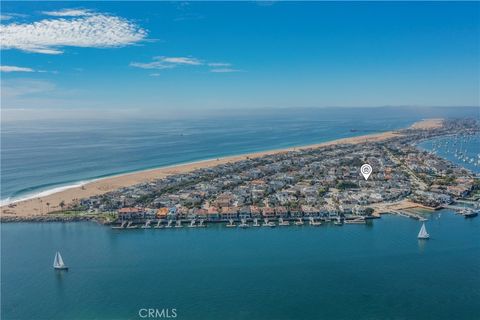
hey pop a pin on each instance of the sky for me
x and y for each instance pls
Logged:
(122, 59)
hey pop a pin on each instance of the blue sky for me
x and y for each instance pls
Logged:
(71, 59)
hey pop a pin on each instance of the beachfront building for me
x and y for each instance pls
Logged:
(281, 212)
(244, 212)
(255, 212)
(268, 212)
(130, 213)
(228, 213)
(213, 214)
(162, 213)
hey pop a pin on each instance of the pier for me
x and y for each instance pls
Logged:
(407, 214)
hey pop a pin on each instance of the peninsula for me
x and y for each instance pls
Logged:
(315, 178)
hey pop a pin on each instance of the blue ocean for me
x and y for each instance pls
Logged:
(43, 156)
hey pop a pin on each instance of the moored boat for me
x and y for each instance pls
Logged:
(299, 222)
(338, 222)
(267, 223)
(355, 221)
(314, 223)
(469, 213)
(282, 222)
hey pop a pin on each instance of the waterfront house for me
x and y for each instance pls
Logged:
(458, 191)
(130, 213)
(182, 212)
(255, 212)
(201, 213)
(229, 213)
(268, 212)
(358, 210)
(281, 212)
(347, 208)
(296, 212)
(172, 213)
(162, 213)
(150, 213)
(244, 212)
(212, 213)
(309, 211)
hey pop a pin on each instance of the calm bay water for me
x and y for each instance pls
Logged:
(38, 156)
(379, 271)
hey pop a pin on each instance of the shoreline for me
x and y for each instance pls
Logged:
(47, 203)
(78, 184)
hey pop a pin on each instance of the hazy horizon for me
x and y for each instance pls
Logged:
(14, 115)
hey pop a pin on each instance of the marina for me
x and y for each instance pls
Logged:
(243, 222)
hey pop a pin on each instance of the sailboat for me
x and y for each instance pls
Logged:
(58, 263)
(423, 234)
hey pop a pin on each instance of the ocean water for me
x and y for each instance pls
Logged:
(44, 155)
(377, 271)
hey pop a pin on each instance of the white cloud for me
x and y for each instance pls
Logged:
(9, 16)
(167, 63)
(161, 63)
(69, 13)
(181, 60)
(48, 36)
(15, 69)
(224, 70)
(219, 64)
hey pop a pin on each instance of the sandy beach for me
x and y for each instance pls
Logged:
(51, 202)
(427, 124)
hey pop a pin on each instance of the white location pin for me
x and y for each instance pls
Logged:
(366, 170)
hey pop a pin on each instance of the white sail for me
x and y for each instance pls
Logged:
(55, 261)
(423, 234)
(58, 261)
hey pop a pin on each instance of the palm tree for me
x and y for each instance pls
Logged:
(62, 204)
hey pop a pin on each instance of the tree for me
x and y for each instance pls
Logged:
(62, 204)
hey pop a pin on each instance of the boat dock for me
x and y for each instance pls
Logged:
(239, 223)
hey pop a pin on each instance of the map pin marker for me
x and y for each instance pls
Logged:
(366, 170)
